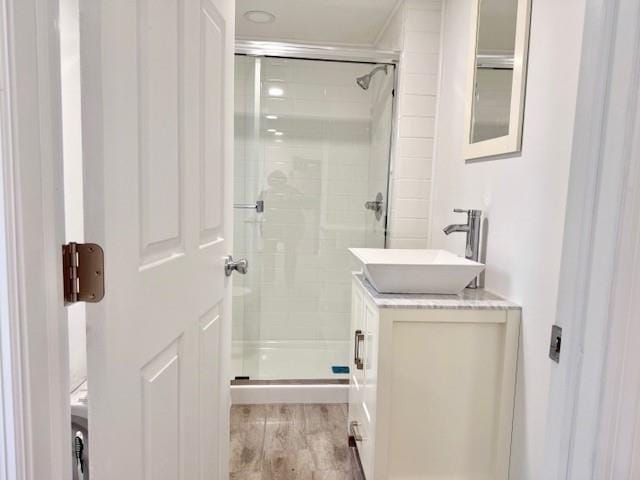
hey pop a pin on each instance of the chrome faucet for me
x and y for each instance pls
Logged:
(472, 229)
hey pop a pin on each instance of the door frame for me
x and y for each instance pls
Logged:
(593, 398)
(35, 379)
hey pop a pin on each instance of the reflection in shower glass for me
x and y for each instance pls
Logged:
(314, 147)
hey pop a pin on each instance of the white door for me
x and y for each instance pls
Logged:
(158, 130)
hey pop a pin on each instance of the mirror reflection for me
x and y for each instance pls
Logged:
(494, 62)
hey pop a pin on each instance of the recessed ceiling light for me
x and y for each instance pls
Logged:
(259, 16)
(271, 130)
(272, 117)
(279, 134)
(275, 92)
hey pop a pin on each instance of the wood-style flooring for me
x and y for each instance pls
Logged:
(291, 442)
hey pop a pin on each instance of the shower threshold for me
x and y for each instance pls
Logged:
(249, 392)
(302, 381)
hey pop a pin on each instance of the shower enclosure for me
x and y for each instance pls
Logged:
(312, 149)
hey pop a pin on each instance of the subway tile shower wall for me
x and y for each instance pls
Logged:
(415, 31)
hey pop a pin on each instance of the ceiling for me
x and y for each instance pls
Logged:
(329, 22)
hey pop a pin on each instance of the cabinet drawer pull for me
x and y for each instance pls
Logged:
(359, 337)
(355, 431)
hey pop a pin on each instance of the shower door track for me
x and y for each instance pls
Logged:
(316, 52)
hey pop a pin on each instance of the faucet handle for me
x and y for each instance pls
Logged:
(470, 213)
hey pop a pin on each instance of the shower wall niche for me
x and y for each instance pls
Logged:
(312, 146)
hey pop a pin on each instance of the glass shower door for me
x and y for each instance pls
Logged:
(311, 149)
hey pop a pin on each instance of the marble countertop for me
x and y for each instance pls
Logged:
(468, 299)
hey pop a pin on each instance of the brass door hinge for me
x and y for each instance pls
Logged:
(83, 272)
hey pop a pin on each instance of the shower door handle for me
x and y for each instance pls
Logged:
(258, 206)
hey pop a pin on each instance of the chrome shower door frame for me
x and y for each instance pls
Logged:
(300, 51)
(316, 52)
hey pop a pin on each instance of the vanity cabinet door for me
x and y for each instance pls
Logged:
(356, 376)
(371, 320)
(370, 390)
(359, 414)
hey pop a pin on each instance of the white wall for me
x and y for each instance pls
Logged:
(523, 197)
(72, 150)
(415, 31)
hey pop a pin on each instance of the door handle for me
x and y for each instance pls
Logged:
(359, 337)
(258, 207)
(241, 266)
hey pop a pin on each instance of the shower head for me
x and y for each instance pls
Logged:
(365, 80)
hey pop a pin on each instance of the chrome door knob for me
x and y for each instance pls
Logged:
(241, 266)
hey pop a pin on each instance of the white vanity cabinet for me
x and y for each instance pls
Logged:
(432, 384)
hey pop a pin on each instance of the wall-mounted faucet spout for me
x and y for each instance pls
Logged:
(472, 229)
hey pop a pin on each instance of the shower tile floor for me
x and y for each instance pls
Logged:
(291, 442)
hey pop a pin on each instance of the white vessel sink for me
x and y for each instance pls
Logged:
(416, 271)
